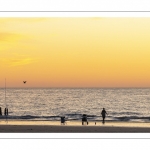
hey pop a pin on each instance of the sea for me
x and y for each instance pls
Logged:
(121, 104)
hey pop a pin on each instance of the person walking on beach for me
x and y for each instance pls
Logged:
(103, 113)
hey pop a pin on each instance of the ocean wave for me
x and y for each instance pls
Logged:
(26, 117)
(77, 117)
(129, 118)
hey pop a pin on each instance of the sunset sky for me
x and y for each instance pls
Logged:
(75, 52)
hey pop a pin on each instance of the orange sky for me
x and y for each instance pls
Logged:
(75, 52)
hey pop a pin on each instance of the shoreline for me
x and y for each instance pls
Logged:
(21, 126)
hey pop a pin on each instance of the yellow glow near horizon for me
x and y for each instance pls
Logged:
(75, 52)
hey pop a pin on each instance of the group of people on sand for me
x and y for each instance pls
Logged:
(103, 113)
(5, 111)
(84, 117)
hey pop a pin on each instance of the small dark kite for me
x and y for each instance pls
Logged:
(24, 82)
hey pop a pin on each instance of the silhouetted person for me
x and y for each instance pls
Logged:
(6, 112)
(63, 120)
(103, 113)
(0, 111)
(84, 119)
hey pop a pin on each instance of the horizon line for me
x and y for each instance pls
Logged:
(73, 11)
(79, 87)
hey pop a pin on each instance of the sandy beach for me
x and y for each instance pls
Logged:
(14, 126)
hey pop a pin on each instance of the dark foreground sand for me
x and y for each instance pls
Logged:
(72, 127)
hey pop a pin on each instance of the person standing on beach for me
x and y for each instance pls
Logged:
(6, 111)
(0, 111)
(103, 113)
